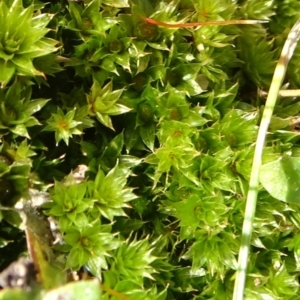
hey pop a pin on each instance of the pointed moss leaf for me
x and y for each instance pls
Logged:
(25, 66)
(281, 178)
(131, 134)
(157, 71)
(96, 264)
(123, 60)
(279, 123)
(160, 46)
(7, 70)
(117, 109)
(190, 87)
(109, 66)
(113, 150)
(80, 220)
(105, 120)
(88, 149)
(32, 122)
(20, 130)
(194, 118)
(85, 289)
(115, 146)
(75, 9)
(13, 93)
(35, 105)
(147, 133)
(48, 64)
(116, 3)
(129, 161)
(140, 9)
(42, 20)
(186, 211)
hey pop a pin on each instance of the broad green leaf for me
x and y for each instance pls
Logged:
(16, 294)
(281, 178)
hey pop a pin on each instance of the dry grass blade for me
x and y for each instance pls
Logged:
(277, 80)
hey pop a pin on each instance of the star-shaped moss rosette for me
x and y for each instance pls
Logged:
(89, 19)
(110, 193)
(141, 128)
(174, 106)
(171, 160)
(90, 245)
(103, 103)
(108, 51)
(69, 205)
(69, 124)
(22, 38)
(16, 109)
(114, 50)
(176, 68)
(132, 260)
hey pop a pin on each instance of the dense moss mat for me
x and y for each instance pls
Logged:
(139, 139)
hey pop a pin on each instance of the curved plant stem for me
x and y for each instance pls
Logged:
(284, 93)
(277, 80)
(204, 23)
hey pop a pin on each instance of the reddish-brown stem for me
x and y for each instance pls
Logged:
(196, 24)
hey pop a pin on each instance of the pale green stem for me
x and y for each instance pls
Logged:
(284, 93)
(277, 80)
